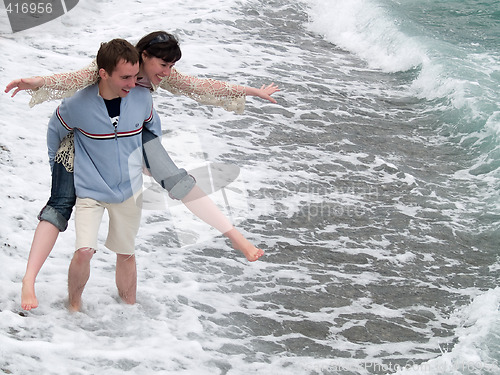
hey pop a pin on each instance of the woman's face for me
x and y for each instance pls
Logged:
(155, 68)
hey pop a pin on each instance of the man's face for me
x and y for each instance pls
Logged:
(119, 83)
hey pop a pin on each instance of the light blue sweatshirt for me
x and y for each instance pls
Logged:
(108, 160)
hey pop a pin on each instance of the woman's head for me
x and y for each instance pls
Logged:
(158, 51)
(159, 44)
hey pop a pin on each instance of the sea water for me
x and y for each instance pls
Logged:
(372, 186)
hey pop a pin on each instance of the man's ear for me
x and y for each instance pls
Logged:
(103, 74)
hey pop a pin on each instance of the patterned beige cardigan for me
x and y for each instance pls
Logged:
(205, 91)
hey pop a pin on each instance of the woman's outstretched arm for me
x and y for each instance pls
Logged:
(204, 90)
(229, 96)
(56, 86)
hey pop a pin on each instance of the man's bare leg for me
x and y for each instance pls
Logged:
(43, 241)
(126, 277)
(78, 275)
(203, 207)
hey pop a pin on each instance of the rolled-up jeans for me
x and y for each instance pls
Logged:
(58, 209)
(175, 180)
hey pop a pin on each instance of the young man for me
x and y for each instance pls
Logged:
(107, 120)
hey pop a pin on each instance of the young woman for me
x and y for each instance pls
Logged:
(159, 51)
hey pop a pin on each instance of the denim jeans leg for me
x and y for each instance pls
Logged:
(62, 198)
(175, 180)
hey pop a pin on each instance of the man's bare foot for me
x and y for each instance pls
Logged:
(28, 297)
(74, 306)
(240, 243)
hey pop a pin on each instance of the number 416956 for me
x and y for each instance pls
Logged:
(31, 8)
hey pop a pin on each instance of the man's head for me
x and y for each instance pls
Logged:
(118, 64)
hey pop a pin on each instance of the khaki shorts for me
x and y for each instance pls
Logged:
(124, 221)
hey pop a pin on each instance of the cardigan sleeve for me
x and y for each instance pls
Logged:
(63, 85)
(206, 91)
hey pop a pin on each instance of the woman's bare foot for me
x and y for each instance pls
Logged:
(240, 243)
(252, 254)
(28, 297)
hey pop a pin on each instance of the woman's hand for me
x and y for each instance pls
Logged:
(24, 84)
(264, 92)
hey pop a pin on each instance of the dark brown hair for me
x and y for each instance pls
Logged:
(160, 44)
(112, 52)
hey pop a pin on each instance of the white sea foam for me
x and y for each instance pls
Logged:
(381, 33)
(365, 28)
(476, 351)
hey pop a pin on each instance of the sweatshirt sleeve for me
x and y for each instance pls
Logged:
(153, 123)
(56, 131)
